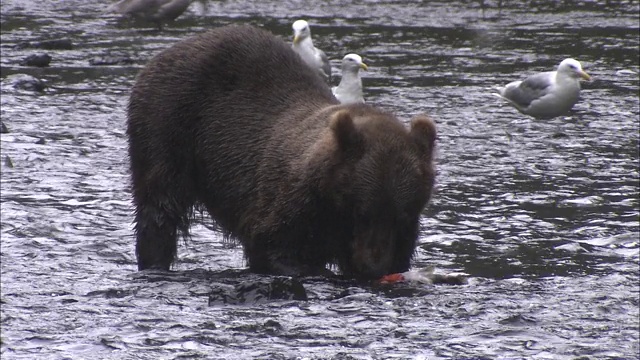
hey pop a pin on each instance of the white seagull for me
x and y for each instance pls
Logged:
(303, 45)
(349, 91)
(548, 94)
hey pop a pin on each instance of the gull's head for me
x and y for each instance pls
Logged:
(353, 62)
(573, 68)
(301, 31)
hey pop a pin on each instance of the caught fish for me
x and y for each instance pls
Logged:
(425, 276)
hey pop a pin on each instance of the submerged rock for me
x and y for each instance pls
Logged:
(25, 82)
(111, 60)
(55, 44)
(253, 291)
(8, 162)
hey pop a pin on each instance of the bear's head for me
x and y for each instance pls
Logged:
(380, 177)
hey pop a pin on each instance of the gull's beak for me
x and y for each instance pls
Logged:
(584, 75)
(364, 66)
(296, 39)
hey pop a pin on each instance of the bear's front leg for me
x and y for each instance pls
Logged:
(156, 239)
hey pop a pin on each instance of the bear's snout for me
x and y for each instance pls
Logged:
(373, 253)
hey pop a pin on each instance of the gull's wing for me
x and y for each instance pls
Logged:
(523, 93)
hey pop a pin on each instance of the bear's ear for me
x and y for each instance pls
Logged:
(345, 131)
(423, 132)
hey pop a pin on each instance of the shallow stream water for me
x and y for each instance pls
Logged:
(541, 215)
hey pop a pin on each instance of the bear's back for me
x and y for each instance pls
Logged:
(232, 68)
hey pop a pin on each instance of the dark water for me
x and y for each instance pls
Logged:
(543, 215)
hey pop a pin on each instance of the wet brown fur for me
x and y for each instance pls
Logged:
(233, 121)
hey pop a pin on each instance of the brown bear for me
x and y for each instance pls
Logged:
(233, 121)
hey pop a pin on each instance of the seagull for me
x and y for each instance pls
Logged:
(349, 91)
(157, 11)
(548, 94)
(303, 45)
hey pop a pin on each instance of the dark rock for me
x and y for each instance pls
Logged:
(278, 288)
(4, 129)
(111, 60)
(272, 327)
(450, 279)
(208, 326)
(110, 293)
(56, 44)
(8, 162)
(41, 141)
(26, 82)
(343, 356)
(39, 60)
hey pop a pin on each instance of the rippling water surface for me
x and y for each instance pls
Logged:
(542, 215)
